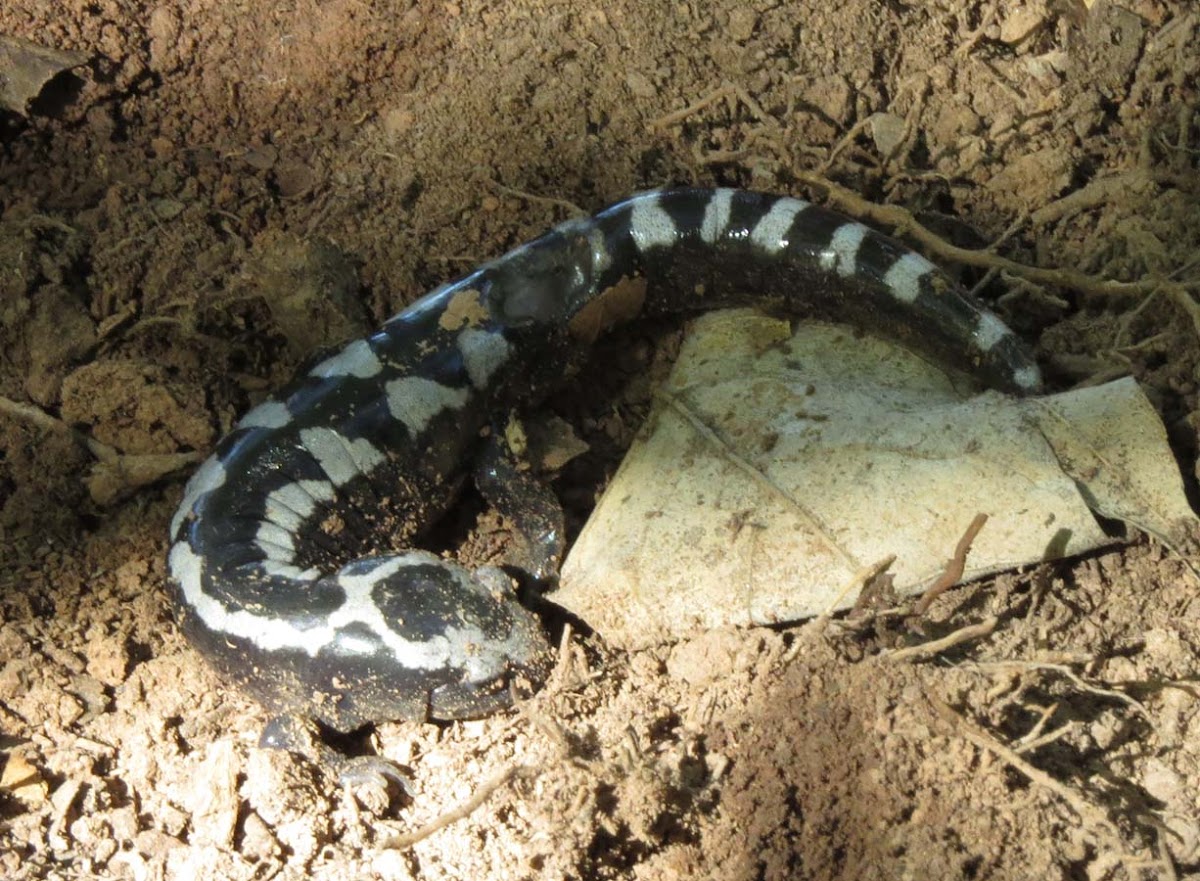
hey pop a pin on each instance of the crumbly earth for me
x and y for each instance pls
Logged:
(226, 186)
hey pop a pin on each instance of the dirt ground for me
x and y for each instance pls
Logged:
(224, 187)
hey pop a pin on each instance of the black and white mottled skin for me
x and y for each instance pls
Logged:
(279, 577)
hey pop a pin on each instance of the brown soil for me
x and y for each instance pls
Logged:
(227, 186)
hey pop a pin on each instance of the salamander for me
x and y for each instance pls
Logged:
(279, 576)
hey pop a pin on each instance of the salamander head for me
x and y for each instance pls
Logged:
(426, 638)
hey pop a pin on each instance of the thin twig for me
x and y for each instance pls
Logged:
(844, 142)
(464, 810)
(42, 419)
(860, 580)
(1028, 746)
(899, 154)
(937, 646)
(905, 223)
(1094, 194)
(1035, 732)
(44, 220)
(1128, 318)
(955, 566)
(963, 49)
(695, 107)
(1075, 679)
(571, 208)
(1092, 815)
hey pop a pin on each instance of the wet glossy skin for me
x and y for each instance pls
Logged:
(282, 575)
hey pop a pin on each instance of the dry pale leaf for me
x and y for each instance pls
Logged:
(776, 467)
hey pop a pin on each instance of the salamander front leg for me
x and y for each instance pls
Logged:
(298, 734)
(527, 503)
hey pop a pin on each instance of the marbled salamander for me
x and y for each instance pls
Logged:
(277, 577)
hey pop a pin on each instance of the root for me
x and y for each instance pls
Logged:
(903, 221)
(464, 810)
(1094, 818)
